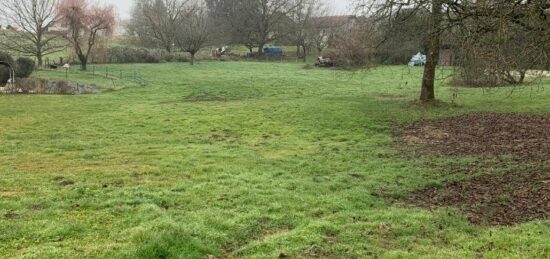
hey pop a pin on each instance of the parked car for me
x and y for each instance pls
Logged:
(418, 60)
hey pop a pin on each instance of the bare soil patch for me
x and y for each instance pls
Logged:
(522, 136)
(506, 192)
(518, 195)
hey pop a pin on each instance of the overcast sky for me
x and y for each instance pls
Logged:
(124, 6)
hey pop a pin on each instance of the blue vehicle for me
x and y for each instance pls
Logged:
(273, 52)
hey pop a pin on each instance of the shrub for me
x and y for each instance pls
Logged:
(168, 57)
(355, 51)
(137, 55)
(181, 58)
(4, 70)
(122, 55)
(24, 67)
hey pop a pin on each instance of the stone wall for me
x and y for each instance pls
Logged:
(44, 86)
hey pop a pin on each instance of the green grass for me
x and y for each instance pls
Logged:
(238, 159)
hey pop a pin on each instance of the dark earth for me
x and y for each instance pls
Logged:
(522, 136)
(510, 185)
(495, 197)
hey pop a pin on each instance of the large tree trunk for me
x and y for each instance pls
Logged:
(38, 46)
(261, 50)
(305, 53)
(192, 62)
(39, 59)
(83, 62)
(427, 92)
(522, 76)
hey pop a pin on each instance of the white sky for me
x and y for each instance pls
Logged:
(123, 6)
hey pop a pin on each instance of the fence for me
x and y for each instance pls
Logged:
(107, 73)
(118, 74)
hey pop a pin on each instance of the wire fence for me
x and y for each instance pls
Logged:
(119, 74)
(103, 71)
(113, 74)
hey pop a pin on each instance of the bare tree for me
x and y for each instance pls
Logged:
(403, 35)
(324, 28)
(502, 41)
(156, 21)
(34, 18)
(303, 28)
(388, 9)
(253, 23)
(354, 45)
(234, 26)
(270, 17)
(447, 14)
(84, 24)
(194, 30)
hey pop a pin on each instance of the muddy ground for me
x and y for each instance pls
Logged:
(514, 187)
(522, 136)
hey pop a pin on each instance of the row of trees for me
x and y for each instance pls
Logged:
(495, 40)
(183, 25)
(187, 25)
(170, 24)
(45, 26)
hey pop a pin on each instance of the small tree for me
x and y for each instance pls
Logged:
(84, 24)
(253, 23)
(34, 18)
(355, 46)
(24, 67)
(194, 30)
(302, 29)
(324, 28)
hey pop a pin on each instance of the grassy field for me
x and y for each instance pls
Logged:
(254, 160)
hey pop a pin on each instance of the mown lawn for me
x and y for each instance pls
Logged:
(253, 160)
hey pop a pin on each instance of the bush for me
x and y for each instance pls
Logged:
(181, 58)
(4, 70)
(350, 55)
(355, 51)
(141, 55)
(24, 67)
